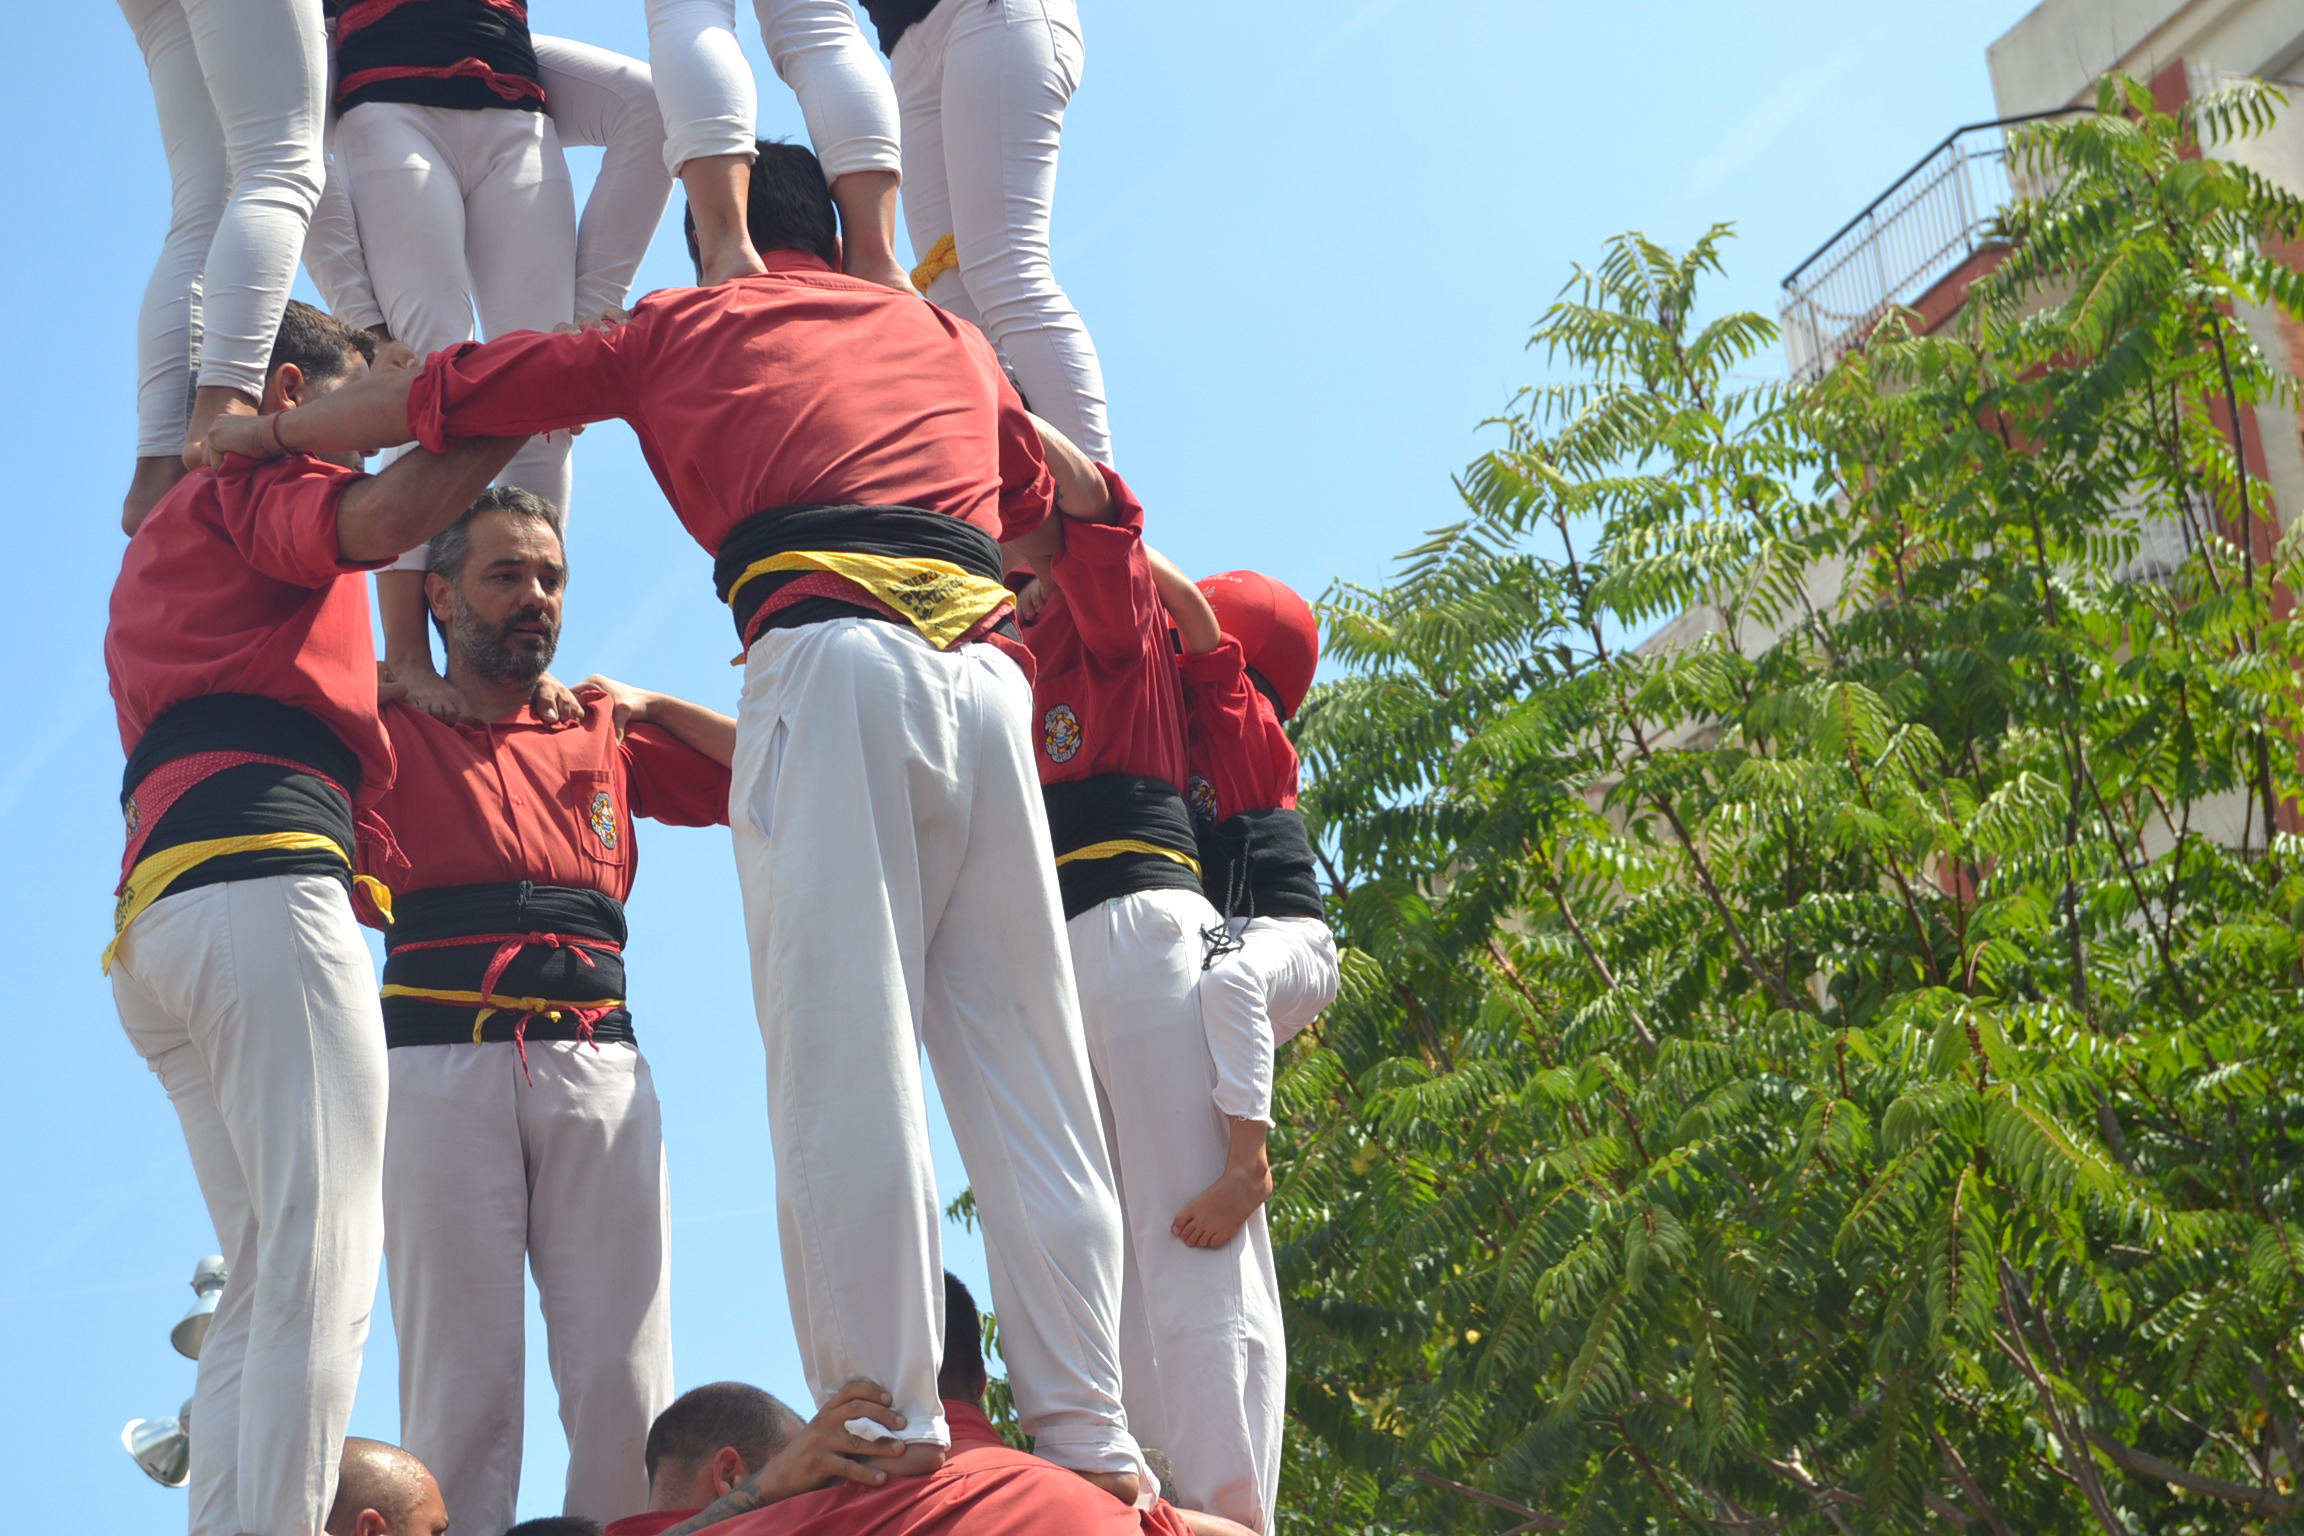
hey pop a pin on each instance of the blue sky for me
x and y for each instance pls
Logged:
(1309, 242)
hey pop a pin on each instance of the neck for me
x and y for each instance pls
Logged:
(489, 700)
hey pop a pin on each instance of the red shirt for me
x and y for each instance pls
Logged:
(517, 799)
(1106, 692)
(1235, 751)
(984, 1489)
(800, 387)
(236, 583)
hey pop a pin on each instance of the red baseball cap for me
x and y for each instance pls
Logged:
(1274, 626)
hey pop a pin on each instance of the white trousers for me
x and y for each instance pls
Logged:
(596, 98)
(1258, 998)
(254, 1002)
(488, 1173)
(899, 892)
(1204, 1362)
(241, 88)
(982, 86)
(710, 102)
(461, 211)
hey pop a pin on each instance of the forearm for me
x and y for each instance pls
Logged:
(361, 417)
(1080, 490)
(387, 515)
(707, 730)
(1186, 604)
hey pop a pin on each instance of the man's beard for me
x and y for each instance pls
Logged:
(491, 651)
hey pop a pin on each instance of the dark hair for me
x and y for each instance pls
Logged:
(556, 1525)
(790, 206)
(452, 545)
(320, 345)
(721, 1413)
(961, 1376)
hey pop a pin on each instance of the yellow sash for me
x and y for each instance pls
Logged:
(153, 875)
(1120, 845)
(943, 601)
(493, 1003)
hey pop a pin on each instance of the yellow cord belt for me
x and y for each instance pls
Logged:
(155, 873)
(1120, 845)
(940, 599)
(493, 1003)
(942, 257)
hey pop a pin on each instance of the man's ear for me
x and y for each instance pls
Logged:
(440, 597)
(371, 1523)
(728, 1470)
(284, 389)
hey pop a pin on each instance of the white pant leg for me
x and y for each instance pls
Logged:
(520, 247)
(1002, 1028)
(255, 1003)
(861, 756)
(845, 98)
(1259, 997)
(167, 327)
(999, 74)
(266, 65)
(455, 1236)
(604, 98)
(1213, 1314)
(462, 208)
(600, 1242)
(702, 82)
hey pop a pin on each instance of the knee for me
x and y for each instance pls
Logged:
(1013, 289)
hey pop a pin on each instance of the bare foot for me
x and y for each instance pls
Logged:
(1123, 1486)
(1216, 1213)
(155, 477)
(736, 259)
(210, 404)
(887, 271)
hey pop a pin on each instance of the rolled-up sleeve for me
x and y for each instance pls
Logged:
(281, 516)
(522, 384)
(1027, 490)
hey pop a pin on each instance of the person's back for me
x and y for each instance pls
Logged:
(798, 387)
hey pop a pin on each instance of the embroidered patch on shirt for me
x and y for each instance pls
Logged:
(1202, 795)
(1060, 734)
(128, 809)
(604, 819)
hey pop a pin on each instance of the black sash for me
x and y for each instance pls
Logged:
(1259, 864)
(246, 798)
(435, 36)
(1118, 807)
(540, 969)
(903, 533)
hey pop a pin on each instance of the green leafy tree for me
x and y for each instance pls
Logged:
(1834, 1067)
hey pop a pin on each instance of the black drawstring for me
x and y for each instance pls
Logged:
(1239, 899)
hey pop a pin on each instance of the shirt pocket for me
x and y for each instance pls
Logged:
(603, 827)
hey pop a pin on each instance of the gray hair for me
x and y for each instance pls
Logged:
(452, 545)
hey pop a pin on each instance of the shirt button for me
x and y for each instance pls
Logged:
(516, 800)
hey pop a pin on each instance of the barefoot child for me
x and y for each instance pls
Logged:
(1274, 969)
(1203, 1363)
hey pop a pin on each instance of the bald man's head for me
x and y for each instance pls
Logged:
(381, 1490)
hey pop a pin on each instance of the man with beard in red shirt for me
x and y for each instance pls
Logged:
(524, 1129)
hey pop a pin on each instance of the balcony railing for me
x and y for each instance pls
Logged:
(1933, 218)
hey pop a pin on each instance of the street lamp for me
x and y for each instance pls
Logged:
(162, 1448)
(191, 1331)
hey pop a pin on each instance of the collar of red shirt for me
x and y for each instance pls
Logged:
(794, 261)
(971, 1431)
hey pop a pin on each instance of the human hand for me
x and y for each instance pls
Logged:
(393, 355)
(629, 705)
(1033, 598)
(251, 437)
(826, 1451)
(389, 689)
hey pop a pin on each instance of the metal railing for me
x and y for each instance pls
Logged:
(1930, 220)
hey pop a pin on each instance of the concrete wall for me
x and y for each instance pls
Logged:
(2053, 57)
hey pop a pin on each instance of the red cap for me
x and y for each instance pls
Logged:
(1275, 629)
